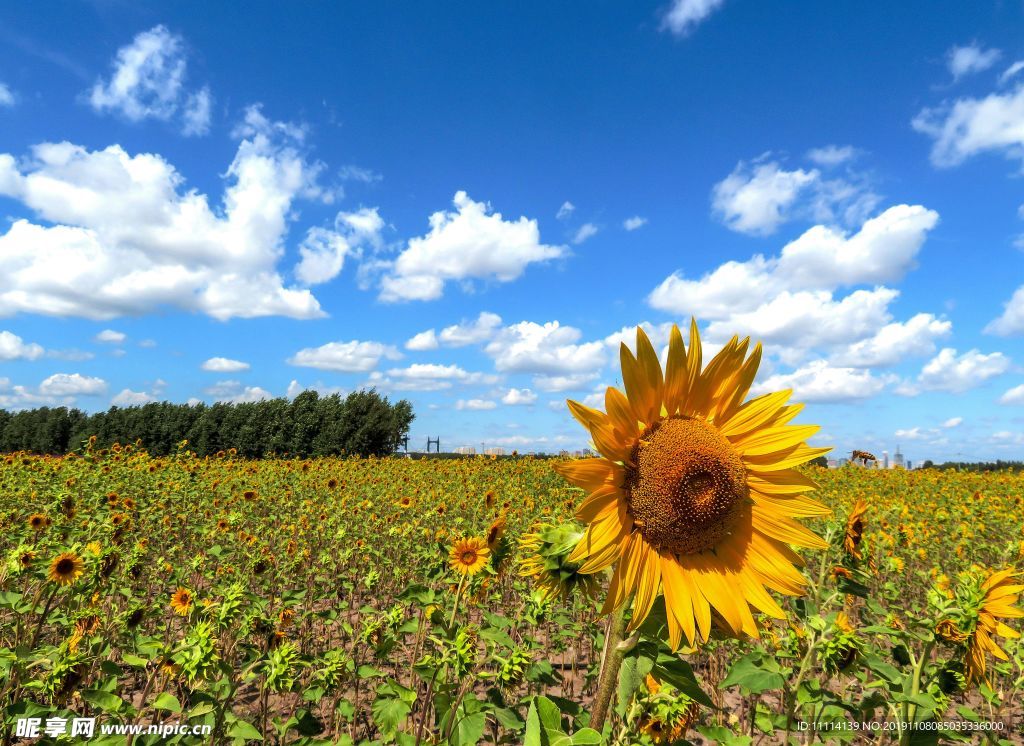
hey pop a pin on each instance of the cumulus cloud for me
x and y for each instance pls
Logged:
(550, 348)
(519, 396)
(970, 126)
(1013, 396)
(6, 96)
(323, 250)
(467, 243)
(111, 336)
(72, 384)
(129, 398)
(295, 388)
(475, 404)
(757, 200)
(831, 155)
(953, 422)
(570, 382)
(683, 16)
(819, 381)
(896, 342)
(423, 341)
(121, 235)
(954, 373)
(457, 335)
(790, 298)
(1011, 321)
(970, 59)
(235, 393)
(149, 82)
(587, 230)
(427, 377)
(631, 224)
(13, 347)
(224, 365)
(345, 357)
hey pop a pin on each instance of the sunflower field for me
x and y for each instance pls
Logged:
(682, 588)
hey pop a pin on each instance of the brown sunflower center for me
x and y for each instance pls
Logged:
(468, 557)
(64, 566)
(688, 490)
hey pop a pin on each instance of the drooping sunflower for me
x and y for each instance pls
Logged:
(181, 601)
(855, 529)
(65, 569)
(468, 556)
(495, 531)
(695, 492)
(1001, 591)
(546, 550)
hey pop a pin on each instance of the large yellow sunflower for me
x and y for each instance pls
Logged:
(65, 569)
(1001, 590)
(468, 556)
(695, 493)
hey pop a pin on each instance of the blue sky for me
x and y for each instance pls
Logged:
(466, 204)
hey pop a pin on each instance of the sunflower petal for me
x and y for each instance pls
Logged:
(588, 473)
(774, 440)
(676, 372)
(648, 584)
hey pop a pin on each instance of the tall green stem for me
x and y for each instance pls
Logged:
(909, 708)
(611, 661)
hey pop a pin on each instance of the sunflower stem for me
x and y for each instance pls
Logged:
(611, 661)
(458, 595)
(910, 709)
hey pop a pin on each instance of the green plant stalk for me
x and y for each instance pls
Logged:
(791, 694)
(611, 662)
(909, 708)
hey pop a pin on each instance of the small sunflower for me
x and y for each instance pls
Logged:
(405, 503)
(495, 531)
(38, 521)
(26, 558)
(1000, 595)
(468, 556)
(855, 529)
(695, 492)
(66, 568)
(181, 601)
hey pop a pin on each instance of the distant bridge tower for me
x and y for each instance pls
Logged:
(436, 442)
(404, 442)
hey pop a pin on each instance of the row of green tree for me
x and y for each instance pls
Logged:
(363, 423)
(976, 465)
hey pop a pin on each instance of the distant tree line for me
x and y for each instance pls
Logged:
(976, 466)
(363, 423)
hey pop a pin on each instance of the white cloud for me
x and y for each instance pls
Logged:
(895, 342)
(631, 224)
(1012, 319)
(831, 155)
(236, 393)
(587, 230)
(970, 59)
(129, 398)
(685, 15)
(460, 335)
(148, 82)
(953, 422)
(475, 404)
(428, 377)
(627, 335)
(819, 381)
(295, 388)
(565, 210)
(323, 251)
(224, 365)
(970, 126)
(552, 349)
(6, 97)
(1013, 396)
(1012, 70)
(954, 373)
(468, 243)
(125, 238)
(13, 347)
(346, 357)
(756, 201)
(72, 384)
(519, 396)
(423, 341)
(111, 336)
(819, 261)
(571, 382)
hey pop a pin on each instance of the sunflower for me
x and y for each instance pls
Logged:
(495, 531)
(38, 521)
(468, 556)
(1000, 596)
(855, 529)
(26, 558)
(546, 550)
(181, 601)
(695, 493)
(405, 502)
(66, 568)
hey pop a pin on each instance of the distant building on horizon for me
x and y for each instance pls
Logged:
(897, 459)
(885, 459)
(465, 450)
